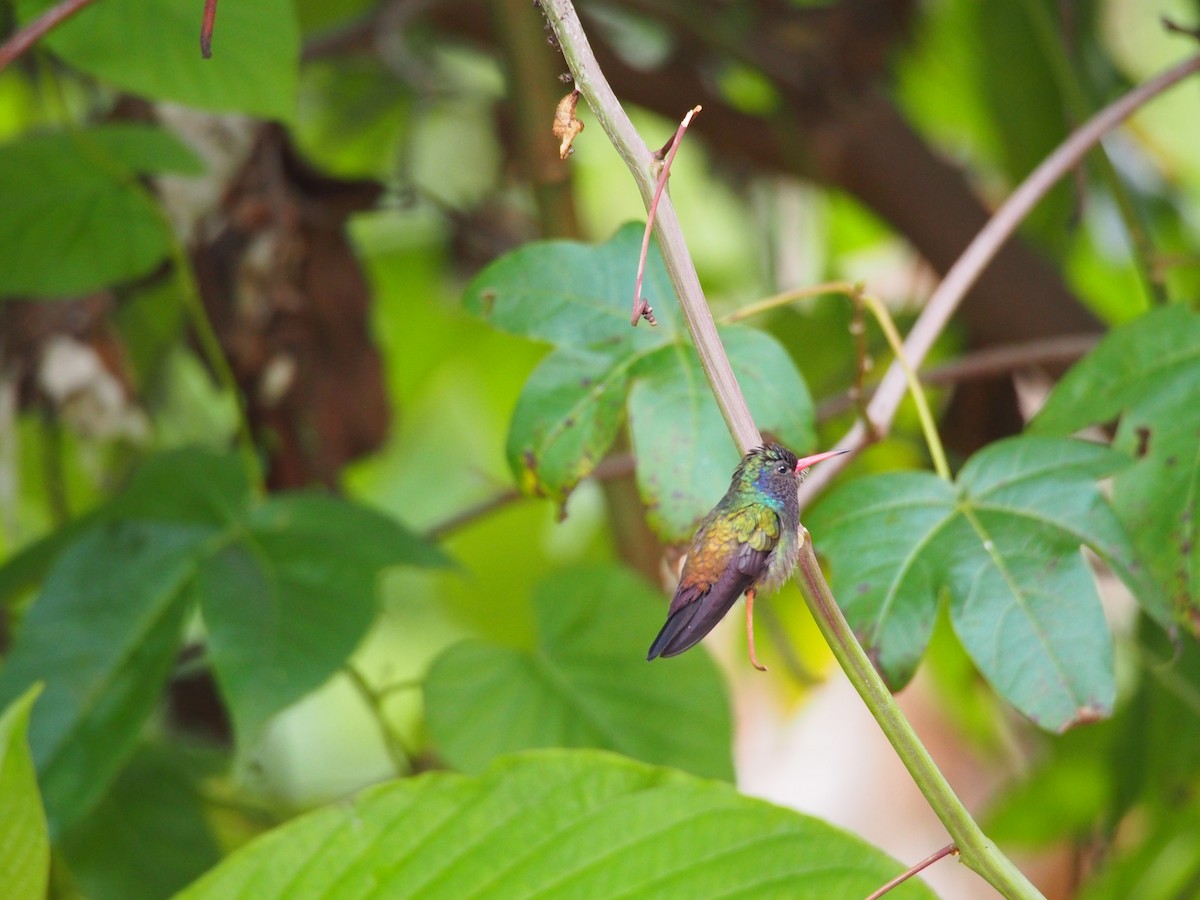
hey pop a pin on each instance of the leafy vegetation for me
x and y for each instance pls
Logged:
(339, 500)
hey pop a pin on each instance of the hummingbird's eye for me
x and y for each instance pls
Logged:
(783, 468)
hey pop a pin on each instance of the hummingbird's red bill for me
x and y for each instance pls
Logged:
(807, 461)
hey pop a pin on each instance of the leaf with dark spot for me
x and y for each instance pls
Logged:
(1148, 374)
(1003, 544)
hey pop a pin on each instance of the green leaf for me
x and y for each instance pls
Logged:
(1026, 106)
(575, 294)
(578, 296)
(287, 587)
(555, 824)
(1004, 544)
(63, 194)
(27, 568)
(566, 419)
(192, 485)
(152, 47)
(1148, 373)
(102, 636)
(877, 533)
(586, 684)
(148, 837)
(685, 458)
(24, 842)
(287, 600)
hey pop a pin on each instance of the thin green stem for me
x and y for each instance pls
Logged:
(978, 852)
(52, 467)
(786, 298)
(932, 439)
(210, 344)
(398, 687)
(888, 327)
(397, 752)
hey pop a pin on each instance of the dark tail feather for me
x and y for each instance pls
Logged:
(677, 622)
(688, 625)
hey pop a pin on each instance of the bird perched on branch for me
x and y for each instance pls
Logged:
(749, 542)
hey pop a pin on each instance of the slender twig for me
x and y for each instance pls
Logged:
(992, 361)
(863, 300)
(17, 45)
(978, 852)
(928, 861)
(396, 687)
(1175, 28)
(787, 298)
(399, 754)
(932, 439)
(967, 268)
(641, 309)
(617, 465)
(983, 363)
(206, 27)
(206, 338)
(987, 363)
(464, 517)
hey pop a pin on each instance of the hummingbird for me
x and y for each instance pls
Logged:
(750, 541)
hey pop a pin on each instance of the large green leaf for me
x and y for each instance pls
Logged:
(569, 412)
(287, 587)
(1003, 542)
(585, 684)
(200, 487)
(574, 294)
(1148, 373)
(149, 836)
(289, 596)
(74, 217)
(102, 635)
(684, 455)
(24, 842)
(567, 417)
(152, 47)
(578, 824)
(184, 486)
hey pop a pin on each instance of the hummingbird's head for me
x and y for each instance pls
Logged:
(771, 469)
(774, 469)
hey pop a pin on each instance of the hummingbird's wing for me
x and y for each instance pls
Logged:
(699, 602)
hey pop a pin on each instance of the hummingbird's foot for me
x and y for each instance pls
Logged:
(750, 630)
